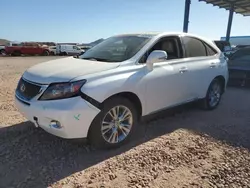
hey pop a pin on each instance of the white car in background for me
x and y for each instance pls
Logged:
(104, 93)
(52, 50)
(68, 49)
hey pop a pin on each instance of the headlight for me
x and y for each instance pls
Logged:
(62, 90)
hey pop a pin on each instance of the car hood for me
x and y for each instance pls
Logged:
(64, 69)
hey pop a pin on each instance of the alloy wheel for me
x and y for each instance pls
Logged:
(214, 94)
(117, 124)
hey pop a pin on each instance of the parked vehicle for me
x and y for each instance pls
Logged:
(242, 46)
(11, 43)
(68, 49)
(105, 92)
(239, 68)
(225, 47)
(85, 48)
(2, 50)
(52, 50)
(27, 48)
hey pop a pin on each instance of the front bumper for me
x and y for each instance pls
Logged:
(74, 114)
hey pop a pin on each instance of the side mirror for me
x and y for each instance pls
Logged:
(156, 56)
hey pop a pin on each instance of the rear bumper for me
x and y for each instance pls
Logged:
(75, 115)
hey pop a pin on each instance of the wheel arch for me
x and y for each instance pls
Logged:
(46, 51)
(222, 80)
(132, 97)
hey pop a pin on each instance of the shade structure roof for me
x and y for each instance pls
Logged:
(240, 6)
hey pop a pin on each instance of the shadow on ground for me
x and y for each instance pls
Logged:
(27, 153)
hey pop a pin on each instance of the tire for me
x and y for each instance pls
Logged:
(2, 52)
(45, 53)
(63, 53)
(214, 93)
(102, 139)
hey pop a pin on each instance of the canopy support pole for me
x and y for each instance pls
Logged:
(230, 20)
(186, 16)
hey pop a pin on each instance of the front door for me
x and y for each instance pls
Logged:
(167, 84)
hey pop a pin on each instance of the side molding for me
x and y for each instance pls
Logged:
(91, 100)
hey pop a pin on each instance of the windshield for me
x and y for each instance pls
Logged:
(116, 49)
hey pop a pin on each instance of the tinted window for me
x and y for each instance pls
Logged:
(238, 55)
(169, 44)
(194, 47)
(244, 58)
(223, 45)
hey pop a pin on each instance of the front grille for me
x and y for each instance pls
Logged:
(27, 90)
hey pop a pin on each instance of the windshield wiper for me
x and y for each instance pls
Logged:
(97, 59)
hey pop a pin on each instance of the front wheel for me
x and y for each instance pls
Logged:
(114, 125)
(213, 96)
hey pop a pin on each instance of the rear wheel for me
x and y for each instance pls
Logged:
(213, 96)
(114, 125)
(45, 53)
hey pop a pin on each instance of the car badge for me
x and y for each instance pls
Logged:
(22, 88)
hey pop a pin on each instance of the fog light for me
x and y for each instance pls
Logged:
(55, 124)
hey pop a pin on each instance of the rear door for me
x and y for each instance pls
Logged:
(203, 64)
(240, 59)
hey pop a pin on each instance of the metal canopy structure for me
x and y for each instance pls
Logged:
(238, 6)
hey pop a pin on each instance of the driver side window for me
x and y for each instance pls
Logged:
(168, 44)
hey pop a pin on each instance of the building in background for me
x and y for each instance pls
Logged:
(238, 40)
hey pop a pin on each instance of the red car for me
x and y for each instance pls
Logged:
(27, 48)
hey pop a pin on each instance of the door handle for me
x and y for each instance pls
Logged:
(212, 65)
(183, 69)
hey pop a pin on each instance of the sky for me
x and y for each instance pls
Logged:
(88, 20)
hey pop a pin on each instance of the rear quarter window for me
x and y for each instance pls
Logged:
(194, 47)
(197, 48)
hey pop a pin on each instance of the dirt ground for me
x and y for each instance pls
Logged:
(187, 148)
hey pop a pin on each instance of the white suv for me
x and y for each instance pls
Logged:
(102, 94)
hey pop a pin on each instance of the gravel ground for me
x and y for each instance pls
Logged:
(186, 147)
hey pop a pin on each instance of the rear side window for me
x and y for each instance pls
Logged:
(194, 47)
(197, 48)
(210, 50)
